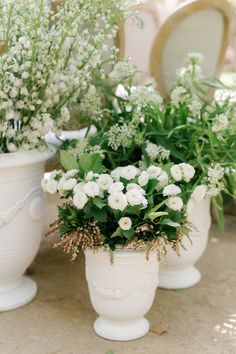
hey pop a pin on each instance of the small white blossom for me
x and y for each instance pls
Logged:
(79, 199)
(125, 223)
(116, 187)
(51, 186)
(129, 172)
(143, 178)
(163, 180)
(117, 201)
(91, 188)
(69, 184)
(175, 203)
(176, 173)
(188, 171)
(104, 181)
(154, 171)
(171, 189)
(135, 197)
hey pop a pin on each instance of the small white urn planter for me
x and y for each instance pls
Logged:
(180, 272)
(21, 209)
(121, 293)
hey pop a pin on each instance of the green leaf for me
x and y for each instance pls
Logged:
(158, 206)
(153, 215)
(100, 215)
(117, 233)
(99, 202)
(68, 161)
(90, 163)
(128, 233)
(170, 222)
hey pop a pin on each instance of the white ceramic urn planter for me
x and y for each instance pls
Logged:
(121, 293)
(180, 272)
(21, 209)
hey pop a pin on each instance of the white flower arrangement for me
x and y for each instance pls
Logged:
(47, 64)
(128, 205)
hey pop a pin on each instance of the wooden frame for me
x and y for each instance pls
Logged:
(175, 18)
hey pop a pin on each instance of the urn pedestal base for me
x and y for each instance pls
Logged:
(179, 279)
(121, 330)
(18, 296)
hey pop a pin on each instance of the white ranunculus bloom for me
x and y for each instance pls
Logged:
(188, 171)
(69, 184)
(154, 171)
(135, 185)
(199, 192)
(125, 223)
(79, 187)
(163, 180)
(175, 203)
(116, 187)
(116, 173)
(143, 178)
(176, 172)
(134, 197)
(80, 199)
(91, 188)
(171, 189)
(129, 172)
(70, 173)
(117, 201)
(51, 186)
(104, 181)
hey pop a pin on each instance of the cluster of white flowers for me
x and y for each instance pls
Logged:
(48, 62)
(156, 152)
(122, 71)
(179, 95)
(84, 147)
(220, 123)
(194, 58)
(91, 105)
(121, 135)
(125, 187)
(215, 174)
(182, 171)
(144, 95)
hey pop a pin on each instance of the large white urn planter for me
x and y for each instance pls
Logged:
(21, 209)
(121, 293)
(180, 272)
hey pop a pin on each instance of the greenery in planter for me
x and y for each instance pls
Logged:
(48, 62)
(193, 126)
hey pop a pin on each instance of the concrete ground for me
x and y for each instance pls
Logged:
(200, 320)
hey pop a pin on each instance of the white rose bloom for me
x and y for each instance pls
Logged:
(143, 178)
(51, 186)
(188, 171)
(79, 187)
(115, 174)
(89, 176)
(135, 185)
(134, 197)
(154, 171)
(70, 173)
(171, 189)
(163, 180)
(104, 181)
(69, 184)
(91, 188)
(199, 192)
(117, 201)
(175, 203)
(116, 187)
(79, 199)
(176, 172)
(129, 172)
(125, 223)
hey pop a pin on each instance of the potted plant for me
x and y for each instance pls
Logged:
(123, 219)
(191, 127)
(46, 64)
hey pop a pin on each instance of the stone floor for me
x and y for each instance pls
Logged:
(200, 320)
